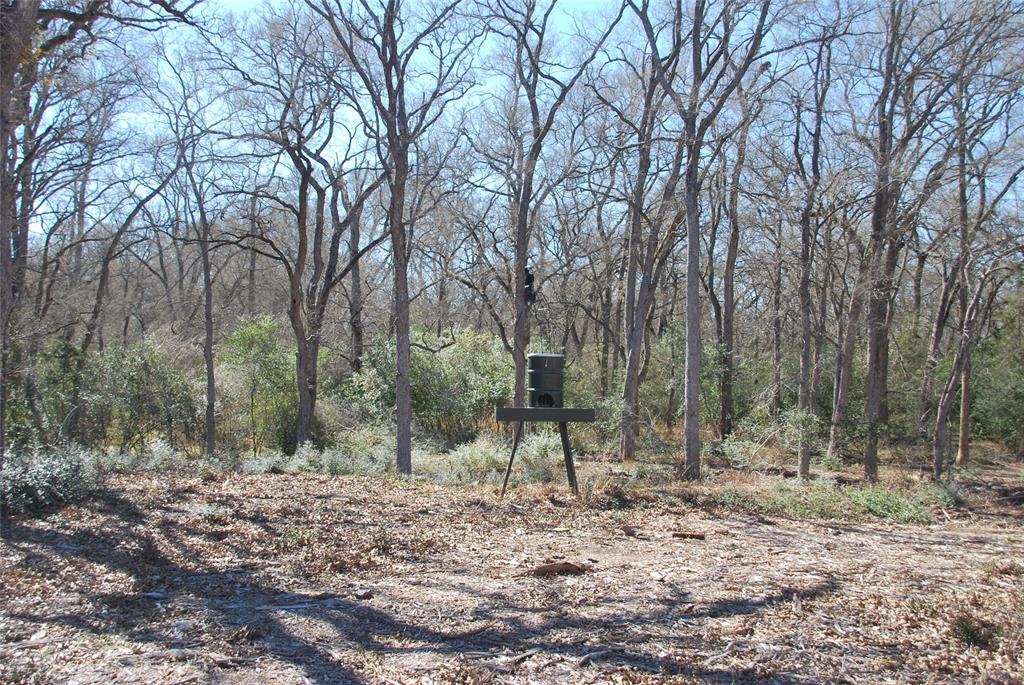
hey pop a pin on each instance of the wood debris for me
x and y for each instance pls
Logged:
(307, 577)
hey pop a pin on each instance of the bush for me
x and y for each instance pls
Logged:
(337, 461)
(154, 455)
(997, 402)
(889, 504)
(454, 387)
(820, 499)
(38, 479)
(484, 460)
(363, 451)
(258, 392)
(131, 394)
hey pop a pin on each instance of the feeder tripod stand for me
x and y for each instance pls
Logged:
(560, 415)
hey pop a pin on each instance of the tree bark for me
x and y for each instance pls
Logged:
(403, 360)
(727, 403)
(777, 326)
(963, 454)
(355, 296)
(691, 388)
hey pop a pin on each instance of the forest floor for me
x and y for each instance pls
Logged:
(308, 578)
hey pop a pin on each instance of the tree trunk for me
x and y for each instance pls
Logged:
(777, 327)
(211, 386)
(726, 403)
(606, 339)
(877, 332)
(251, 286)
(804, 393)
(873, 396)
(403, 361)
(631, 383)
(355, 296)
(963, 453)
(208, 340)
(931, 364)
(892, 285)
(521, 325)
(844, 367)
(18, 21)
(306, 378)
(691, 389)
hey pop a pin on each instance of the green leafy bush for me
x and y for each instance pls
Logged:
(258, 392)
(455, 383)
(890, 504)
(133, 393)
(37, 479)
(997, 402)
(482, 460)
(821, 499)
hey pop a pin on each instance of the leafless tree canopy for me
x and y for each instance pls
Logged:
(727, 214)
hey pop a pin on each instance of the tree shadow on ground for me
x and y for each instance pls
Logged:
(237, 597)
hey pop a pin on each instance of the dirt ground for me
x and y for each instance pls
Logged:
(295, 579)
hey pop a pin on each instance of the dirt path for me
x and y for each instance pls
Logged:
(311, 579)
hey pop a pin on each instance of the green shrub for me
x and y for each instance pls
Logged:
(455, 384)
(997, 402)
(541, 456)
(40, 398)
(131, 394)
(154, 455)
(889, 504)
(942, 494)
(370, 448)
(820, 499)
(974, 632)
(484, 460)
(37, 479)
(267, 461)
(336, 461)
(258, 392)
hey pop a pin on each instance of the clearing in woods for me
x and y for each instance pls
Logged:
(287, 579)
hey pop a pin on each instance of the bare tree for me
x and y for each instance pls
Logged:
(722, 48)
(911, 94)
(398, 100)
(285, 85)
(810, 173)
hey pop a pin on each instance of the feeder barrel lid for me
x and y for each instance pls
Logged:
(545, 361)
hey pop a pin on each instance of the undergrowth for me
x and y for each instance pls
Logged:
(484, 460)
(38, 479)
(825, 499)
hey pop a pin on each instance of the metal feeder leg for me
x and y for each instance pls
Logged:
(515, 443)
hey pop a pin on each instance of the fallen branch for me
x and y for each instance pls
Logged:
(589, 658)
(222, 660)
(558, 568)
(34, 644)
(686, 535)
